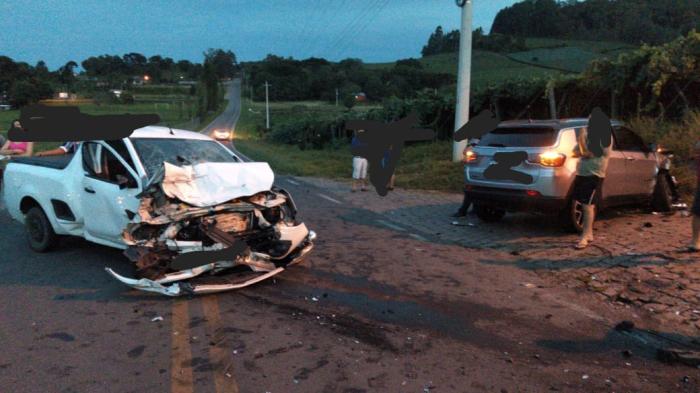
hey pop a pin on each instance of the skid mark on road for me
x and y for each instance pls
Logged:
(218, 353)
(181, 356)
(390, 225)
(329, 198)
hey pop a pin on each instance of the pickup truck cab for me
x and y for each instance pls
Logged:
(93, 193)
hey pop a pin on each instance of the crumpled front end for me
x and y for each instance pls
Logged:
(179, 248)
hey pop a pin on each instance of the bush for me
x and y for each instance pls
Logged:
(126, 98)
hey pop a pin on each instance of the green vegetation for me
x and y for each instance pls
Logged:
(680, 137)
(448, 43)
(174, 113)
(422, 166)
(632, 21)
(319, 79)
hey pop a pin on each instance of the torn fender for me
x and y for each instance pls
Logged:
(179, 289)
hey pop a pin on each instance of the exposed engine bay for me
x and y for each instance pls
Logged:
(237, 242)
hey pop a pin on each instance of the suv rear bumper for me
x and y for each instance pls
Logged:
(515, 200)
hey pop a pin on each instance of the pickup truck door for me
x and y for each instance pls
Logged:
(110, 187)
(640, 163)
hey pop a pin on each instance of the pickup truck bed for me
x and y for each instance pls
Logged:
(55, 162)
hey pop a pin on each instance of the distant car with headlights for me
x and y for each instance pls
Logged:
(222, 134)
(637, 173)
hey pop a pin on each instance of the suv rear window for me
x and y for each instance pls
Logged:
(519, 137)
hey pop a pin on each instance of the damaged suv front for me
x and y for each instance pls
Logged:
(219, 218)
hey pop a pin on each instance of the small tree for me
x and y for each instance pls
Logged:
(349, 101)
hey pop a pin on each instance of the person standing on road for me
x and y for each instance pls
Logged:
(359, 163)
(695, 210)
(590, 170)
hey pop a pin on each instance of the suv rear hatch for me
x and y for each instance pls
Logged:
(530, 139)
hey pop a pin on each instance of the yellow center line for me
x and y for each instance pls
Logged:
(219, 355)
(181, 356)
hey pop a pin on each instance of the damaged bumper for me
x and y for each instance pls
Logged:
(181, 247)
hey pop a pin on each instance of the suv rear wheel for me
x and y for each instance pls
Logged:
(662, 200)
(488, 213)
(572, 216)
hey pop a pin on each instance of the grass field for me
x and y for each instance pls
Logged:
(543, 58)
(173, 110)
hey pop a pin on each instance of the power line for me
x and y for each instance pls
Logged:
(308, 31)
(352, 29)
(350, 26)
(341, 50)
(312, 42)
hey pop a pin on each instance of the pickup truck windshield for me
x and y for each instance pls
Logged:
(519, 137)
(154, 151)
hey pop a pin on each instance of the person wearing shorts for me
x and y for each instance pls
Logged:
(359, 163)
(694, 245)
(590, 173)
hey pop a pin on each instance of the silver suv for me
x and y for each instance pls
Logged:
(637, 173)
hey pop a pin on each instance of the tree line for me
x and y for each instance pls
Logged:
(440, 42)
(318, 79)
(660, 82)
(631, 21)
(22, 83)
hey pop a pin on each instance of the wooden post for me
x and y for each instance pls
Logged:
(552, 102)
(613, 107)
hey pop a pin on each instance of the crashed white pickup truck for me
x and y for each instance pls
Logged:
(163, 194)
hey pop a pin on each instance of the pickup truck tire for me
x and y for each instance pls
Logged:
(39, 230)
(488, 213)
(662, 199)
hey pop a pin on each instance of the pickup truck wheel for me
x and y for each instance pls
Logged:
(488, 213)
(40, 233)
(662, 200)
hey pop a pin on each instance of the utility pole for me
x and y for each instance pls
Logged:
(463, 76)
(552, 102)
(267, 105)
(336, 96)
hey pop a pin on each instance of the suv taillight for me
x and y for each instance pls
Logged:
(469, 156)
(551, 158)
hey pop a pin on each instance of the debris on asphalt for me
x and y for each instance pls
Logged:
(466, 224)
(158, 318)
(208, 218)
(625, 326)
(678, 355)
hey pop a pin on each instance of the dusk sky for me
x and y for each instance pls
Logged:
(373, 30)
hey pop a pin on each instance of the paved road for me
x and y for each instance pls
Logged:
(379, 307)
(228, 118)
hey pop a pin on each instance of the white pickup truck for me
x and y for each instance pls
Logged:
(158, 194)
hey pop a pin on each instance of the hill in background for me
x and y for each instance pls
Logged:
(544, 57)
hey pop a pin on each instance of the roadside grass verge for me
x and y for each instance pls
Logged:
(422, 165)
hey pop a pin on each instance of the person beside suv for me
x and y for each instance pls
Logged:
(590, 171)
